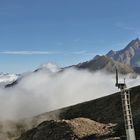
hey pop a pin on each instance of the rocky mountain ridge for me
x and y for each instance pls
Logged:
(104, 63)
(130, 55)
(126, 60)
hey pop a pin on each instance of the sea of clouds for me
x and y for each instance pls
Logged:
(49, 88)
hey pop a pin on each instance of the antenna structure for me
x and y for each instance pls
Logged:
(125, 97)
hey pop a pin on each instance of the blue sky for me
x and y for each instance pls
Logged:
(33, 32)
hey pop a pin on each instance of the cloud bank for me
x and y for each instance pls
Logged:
(47, 89)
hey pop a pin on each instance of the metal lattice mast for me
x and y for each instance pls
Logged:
(126, 105)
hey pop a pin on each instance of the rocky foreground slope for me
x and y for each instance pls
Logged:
(105, 63)
(104, 110)
(85, 119)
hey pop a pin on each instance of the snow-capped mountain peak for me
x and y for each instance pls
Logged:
(7, 78)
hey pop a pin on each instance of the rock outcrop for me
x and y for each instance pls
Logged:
(75, 129)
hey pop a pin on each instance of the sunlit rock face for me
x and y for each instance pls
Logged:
(130, 55)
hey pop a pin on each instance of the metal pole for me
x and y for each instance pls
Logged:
(125, 97)
(129, 127)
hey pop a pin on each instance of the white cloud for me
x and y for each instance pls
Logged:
(47, 90)
(29, 52)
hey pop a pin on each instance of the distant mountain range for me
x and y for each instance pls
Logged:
(105, 63)
(7, 78)
(126, 60)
